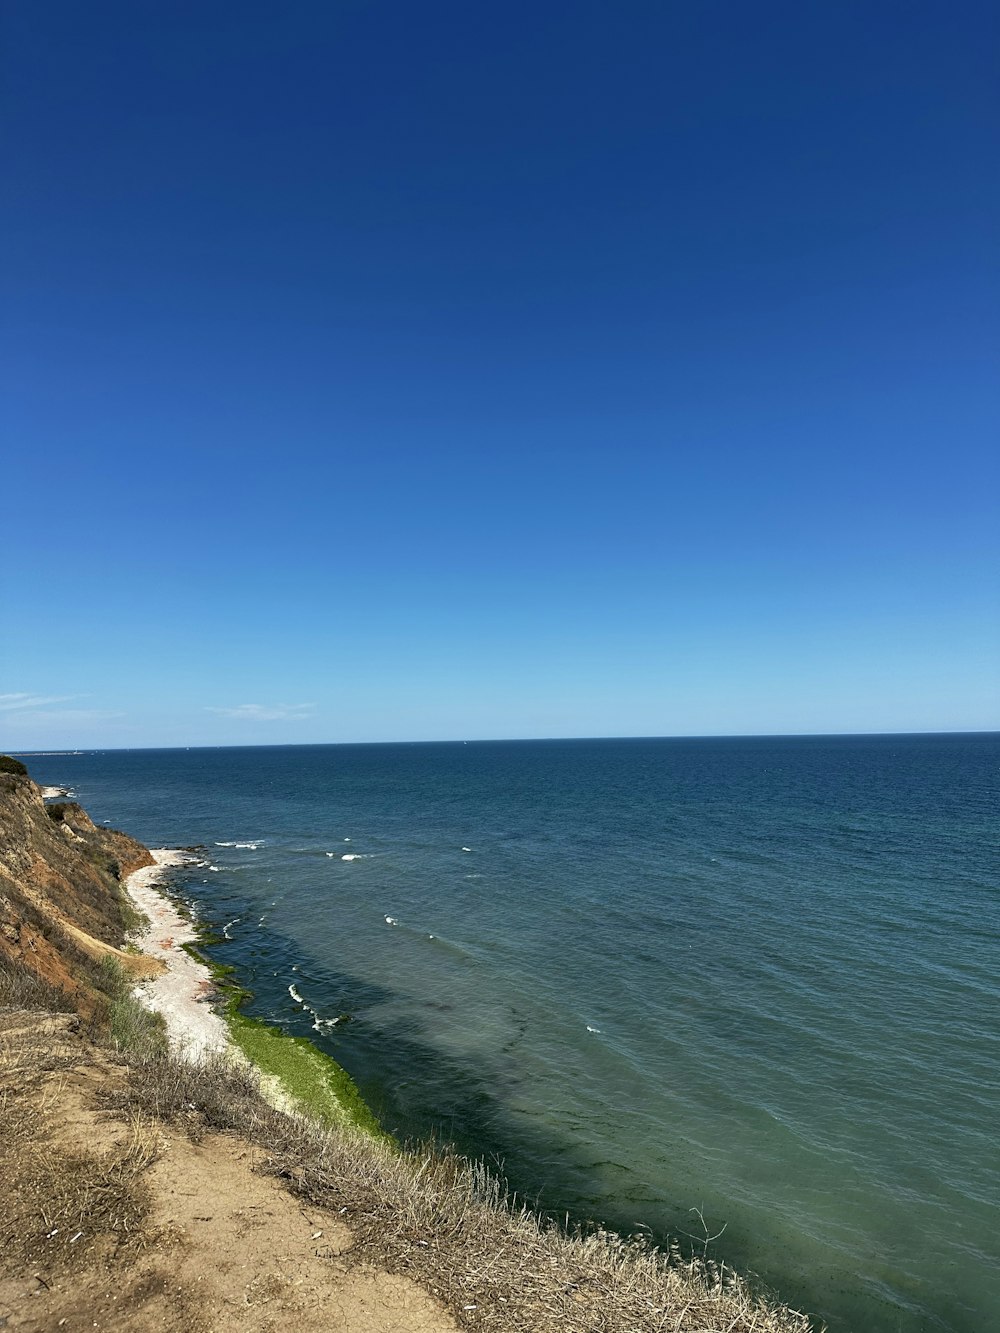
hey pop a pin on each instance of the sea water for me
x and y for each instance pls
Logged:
(744, 989)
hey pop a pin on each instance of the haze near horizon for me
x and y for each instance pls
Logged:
(390, 372)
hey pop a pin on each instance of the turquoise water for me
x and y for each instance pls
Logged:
(756, 978)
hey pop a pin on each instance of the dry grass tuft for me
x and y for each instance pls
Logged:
(22, 989)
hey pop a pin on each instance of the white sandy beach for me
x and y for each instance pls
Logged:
(183, 993)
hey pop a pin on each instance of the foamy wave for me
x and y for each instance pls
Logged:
(466, 849)
(251, 846)
(173, 856)
(391, 921)
(225, 929)
(593, 1029)
(50, 793)
(319, 1024)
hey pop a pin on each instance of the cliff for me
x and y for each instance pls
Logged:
(62, 903)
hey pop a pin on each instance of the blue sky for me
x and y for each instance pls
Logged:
(385, 371)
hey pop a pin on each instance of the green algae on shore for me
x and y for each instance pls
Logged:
(312, 1080)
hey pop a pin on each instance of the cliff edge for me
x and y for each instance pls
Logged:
(63, 907)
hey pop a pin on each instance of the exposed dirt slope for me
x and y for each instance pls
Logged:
(60, 889)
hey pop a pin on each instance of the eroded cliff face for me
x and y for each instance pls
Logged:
(62, 904)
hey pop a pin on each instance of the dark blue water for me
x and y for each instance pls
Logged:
(756, 978)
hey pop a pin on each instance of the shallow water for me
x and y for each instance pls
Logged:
(753, 978)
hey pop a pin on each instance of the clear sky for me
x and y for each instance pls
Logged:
(384, 370)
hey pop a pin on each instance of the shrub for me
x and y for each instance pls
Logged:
(9, 765)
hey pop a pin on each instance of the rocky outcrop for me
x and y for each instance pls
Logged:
(62, 903)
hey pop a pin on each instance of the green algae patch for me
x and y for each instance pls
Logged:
(317, 1084)
(314, 1082)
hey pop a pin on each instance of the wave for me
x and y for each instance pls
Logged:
(319, 1023)
(251, 846)
(391, 921)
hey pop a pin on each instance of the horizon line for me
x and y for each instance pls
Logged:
(506, 740)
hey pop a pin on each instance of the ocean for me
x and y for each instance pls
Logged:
(745, 989)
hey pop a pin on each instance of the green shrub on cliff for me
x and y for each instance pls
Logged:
(11, 765)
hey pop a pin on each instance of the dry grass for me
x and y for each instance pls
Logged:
(448, 1223)
(23, 989)
(64, 1207)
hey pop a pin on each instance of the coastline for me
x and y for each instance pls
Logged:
(200, 1009)
(132, 1115)
(182, 993)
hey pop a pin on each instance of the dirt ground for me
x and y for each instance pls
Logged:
(113, 1223)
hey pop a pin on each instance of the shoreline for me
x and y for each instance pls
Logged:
(183, 992)
(204, 1023)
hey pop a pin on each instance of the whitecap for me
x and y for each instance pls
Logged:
(295, 995)
(593, 1029)
(466, 849)
(244, 846)
(320, 1023)
(391, 921)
